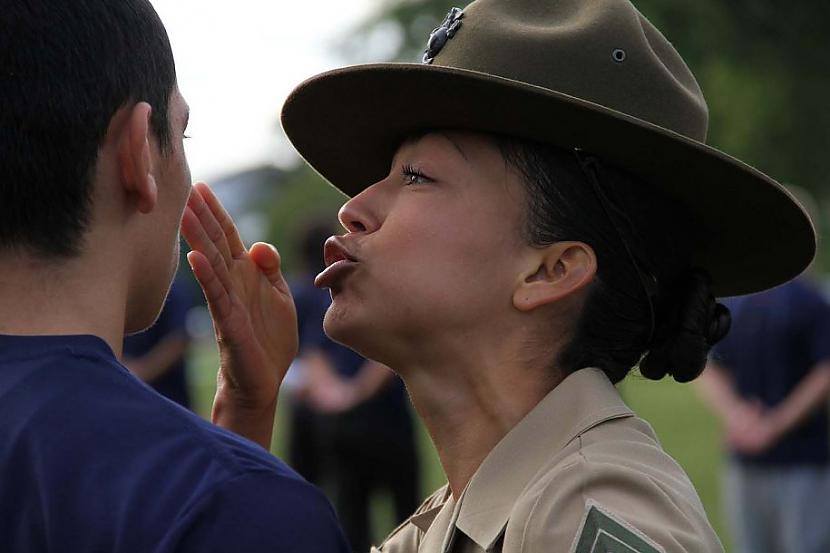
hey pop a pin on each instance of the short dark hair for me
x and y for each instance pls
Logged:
(648, 306)
(67, 67)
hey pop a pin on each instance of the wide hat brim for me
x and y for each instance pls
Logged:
(348, 123)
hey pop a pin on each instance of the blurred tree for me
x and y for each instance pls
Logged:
(763, 65)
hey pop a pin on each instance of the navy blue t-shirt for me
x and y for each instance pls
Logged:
(777, 338)
(92, 460)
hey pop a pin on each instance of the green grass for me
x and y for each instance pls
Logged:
(687, 430)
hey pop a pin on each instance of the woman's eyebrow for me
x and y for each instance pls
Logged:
(454, 143)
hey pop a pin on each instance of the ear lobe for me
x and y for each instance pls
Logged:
(135, 159)
(559, 271)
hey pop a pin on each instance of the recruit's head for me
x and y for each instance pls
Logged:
(542, 176)
(91, 157)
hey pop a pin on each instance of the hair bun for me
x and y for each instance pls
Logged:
(698, 323)
(719, 324)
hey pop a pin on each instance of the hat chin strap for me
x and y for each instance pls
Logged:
(590, 169)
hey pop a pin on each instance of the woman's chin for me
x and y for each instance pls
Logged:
(352, 331)
(340, 325)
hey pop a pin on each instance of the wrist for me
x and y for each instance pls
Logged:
(252, 419)
(777, 423)
(244, 395)
(227, 400)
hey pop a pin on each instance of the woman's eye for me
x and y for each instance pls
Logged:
(411, 175)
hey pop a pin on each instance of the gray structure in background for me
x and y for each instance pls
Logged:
(244, 194)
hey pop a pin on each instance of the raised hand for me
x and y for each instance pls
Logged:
(253, 316)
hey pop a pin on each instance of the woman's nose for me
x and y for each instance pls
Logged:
(360, 214)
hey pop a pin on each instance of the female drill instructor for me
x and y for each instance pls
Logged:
(533, 214)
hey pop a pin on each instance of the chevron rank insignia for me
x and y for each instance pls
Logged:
(602, 532)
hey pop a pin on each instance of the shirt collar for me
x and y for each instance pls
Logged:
(425, 519)
(584, 399)
(22, 346)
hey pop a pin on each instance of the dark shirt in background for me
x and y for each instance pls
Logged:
(777, 338)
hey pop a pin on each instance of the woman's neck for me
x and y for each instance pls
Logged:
(469, 402)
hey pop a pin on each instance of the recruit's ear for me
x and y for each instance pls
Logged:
(555, 272)
(134, 159)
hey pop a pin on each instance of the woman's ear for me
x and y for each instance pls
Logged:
(135, 160)
(555, 272)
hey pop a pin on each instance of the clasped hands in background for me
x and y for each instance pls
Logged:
(751, 428)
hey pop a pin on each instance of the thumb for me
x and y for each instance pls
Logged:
(267, 258)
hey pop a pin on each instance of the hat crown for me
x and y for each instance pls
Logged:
(602, 51)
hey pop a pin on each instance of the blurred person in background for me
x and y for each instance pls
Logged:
(769, 382)
(351, 426)
(93, 186)
(158, 355)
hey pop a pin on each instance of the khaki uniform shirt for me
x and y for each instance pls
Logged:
(580, 473)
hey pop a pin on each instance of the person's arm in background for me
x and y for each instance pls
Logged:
(328, 392)
(372, 379)
(750, 427)
(813, 391)
(160, 358)
(735, 413)
(718, 392)
(810, 394)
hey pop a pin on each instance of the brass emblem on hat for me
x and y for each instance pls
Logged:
(441, 34)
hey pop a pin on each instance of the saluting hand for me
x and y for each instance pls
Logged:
(253, 316)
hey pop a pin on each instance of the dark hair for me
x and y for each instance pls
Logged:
(67, 67)
(647, 305)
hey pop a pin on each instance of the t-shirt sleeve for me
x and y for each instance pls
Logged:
(260, 512)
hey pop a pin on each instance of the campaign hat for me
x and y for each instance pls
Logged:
(594, 75)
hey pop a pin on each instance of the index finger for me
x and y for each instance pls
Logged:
(237, 247)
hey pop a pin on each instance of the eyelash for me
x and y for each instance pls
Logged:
(410, 173)
(186, 136)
